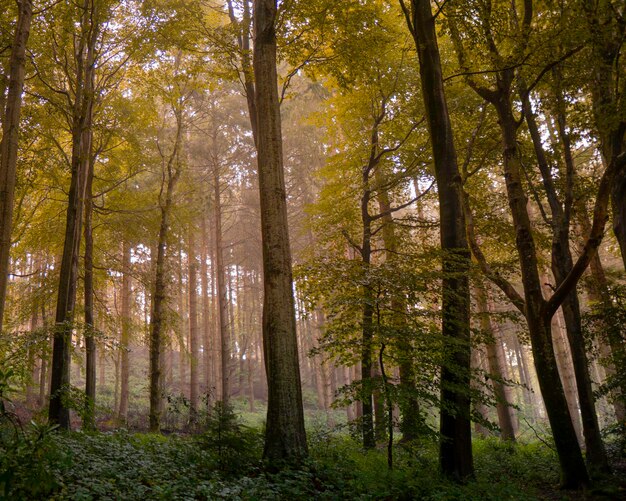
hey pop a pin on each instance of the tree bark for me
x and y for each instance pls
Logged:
(125, 331)
(9, 144)
(58, 411)
(90, 342)
(409, 405)
(503, 406)
(615, 352)
(538, 316)
(562, 263)
(566, 370)
(220, 277)
(285, 437)
(172, 173)
(207, 345)
(455, 449)
(606, 35)
(477, 361)
(194, 348)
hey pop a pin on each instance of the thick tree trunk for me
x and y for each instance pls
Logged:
(125, 332)
(11, 111)
(455, 451)
(285, 437)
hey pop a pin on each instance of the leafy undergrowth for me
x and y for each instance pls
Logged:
(223, 463)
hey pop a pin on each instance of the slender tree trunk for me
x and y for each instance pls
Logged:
(503, 406)
(409, 405)
(172, 174)
(574, 473)
(562, 263)
(285, 437)
(528, 395)
(479, 406)
(58, 411)
(250, 384)
(126, 331)
(367, 315)
(455, 450)
(90, 342)
(615, 352)
(181, 333)
(350, 412)
(10, 111)
(220, 275)
(230, 308)
(207, 345)
(216, 348)
(102, 370)
(194, 348)
(566, 370)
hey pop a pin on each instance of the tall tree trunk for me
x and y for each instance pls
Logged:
(479, 405)
(503, 407)
(566, 370)
(126, 331)
(562, 263)
(455, 450)
(285, 437)
(220, 276)
(9, 144)
(367, 313)
(58, 411)
(207, 344)
(409, 405)
(32, 364)
(90, 342)
(574, 473)
(156, 318)
(172, 171)
(615, 352)
(607, 30)
(194, 348)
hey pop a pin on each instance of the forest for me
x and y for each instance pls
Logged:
(292, 249)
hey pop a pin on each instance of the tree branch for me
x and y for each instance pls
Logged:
(600, 217)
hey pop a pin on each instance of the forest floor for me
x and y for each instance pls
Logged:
(223, 463)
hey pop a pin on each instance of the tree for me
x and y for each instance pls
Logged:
(82, 119)
(606, 29)
(498, 90)
(285, 437)
(171, 164)
(455, 449)
(10, 111)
